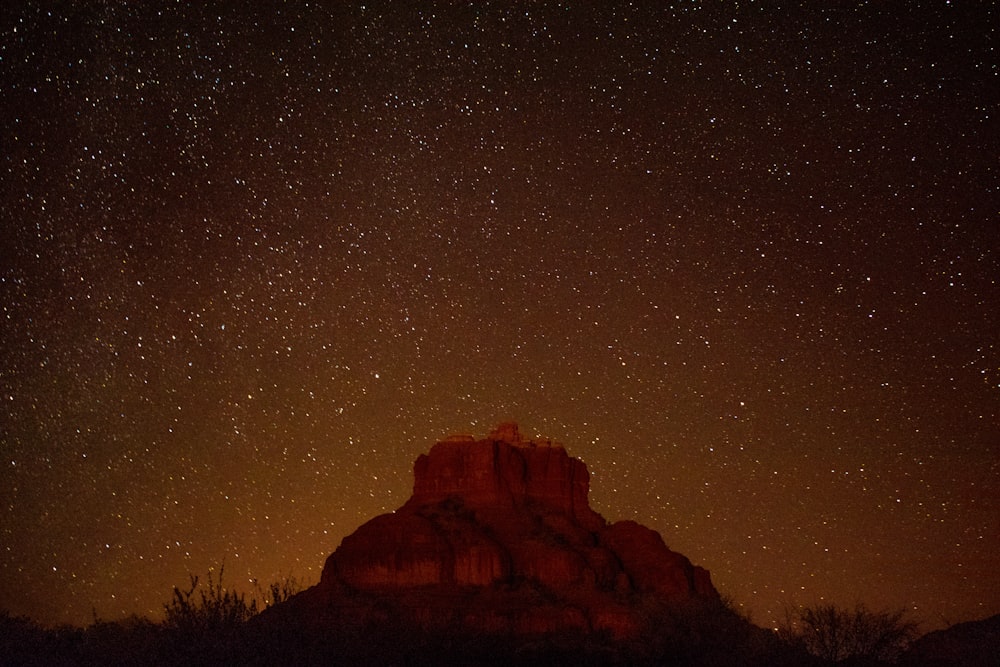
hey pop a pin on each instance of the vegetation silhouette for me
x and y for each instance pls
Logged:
(858, 636)
(203, 624)
(208, 623)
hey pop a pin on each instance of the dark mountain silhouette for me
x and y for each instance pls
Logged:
(498, 557)
(498, 537)
(971, 644)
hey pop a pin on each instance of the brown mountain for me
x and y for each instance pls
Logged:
(970, 644)
(498, 539)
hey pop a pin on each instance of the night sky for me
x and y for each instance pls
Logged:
(741, 259)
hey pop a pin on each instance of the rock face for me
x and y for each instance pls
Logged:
(498, 537)
(503, 471)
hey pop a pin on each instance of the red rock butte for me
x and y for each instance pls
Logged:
(499, 537)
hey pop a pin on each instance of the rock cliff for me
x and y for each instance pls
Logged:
(498, 537)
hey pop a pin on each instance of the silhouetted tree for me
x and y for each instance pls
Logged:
(837, 635)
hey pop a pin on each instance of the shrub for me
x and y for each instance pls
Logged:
(214, 611)
(835, 634)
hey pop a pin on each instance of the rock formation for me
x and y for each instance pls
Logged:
(498, 537)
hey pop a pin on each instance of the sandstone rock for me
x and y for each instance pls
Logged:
(409, 549)
(650, 566)
(504, 471)
(498, 537)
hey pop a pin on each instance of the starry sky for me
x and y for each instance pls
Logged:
(740, 258)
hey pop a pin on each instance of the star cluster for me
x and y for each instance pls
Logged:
(742, 260)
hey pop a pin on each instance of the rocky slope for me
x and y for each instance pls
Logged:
(498, 538)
